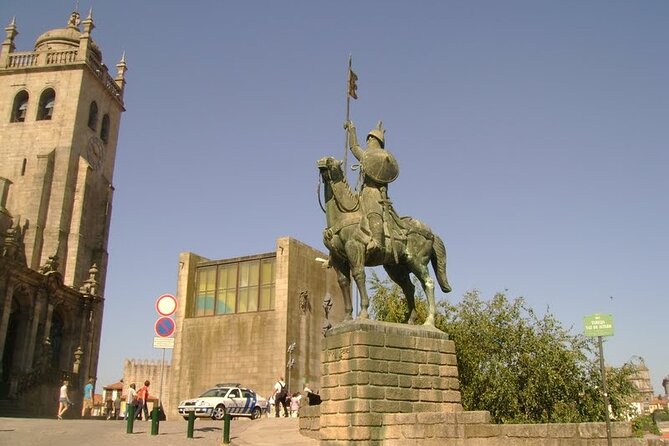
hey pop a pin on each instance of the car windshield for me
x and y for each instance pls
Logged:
(215, 392)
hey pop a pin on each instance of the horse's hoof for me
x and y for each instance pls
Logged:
(348, 317)
(364, 315)
(429, 321)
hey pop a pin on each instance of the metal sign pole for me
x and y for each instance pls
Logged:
(606, 393)
(160, 393)
(166, 306)
(599, 325)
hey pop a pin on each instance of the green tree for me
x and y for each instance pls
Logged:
(519, 366)
(387, 303)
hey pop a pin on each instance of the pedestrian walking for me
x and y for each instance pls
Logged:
(64, 402)
(143, 401)
(280, 394)
(130, 400)
(88, 399)
(117, 406)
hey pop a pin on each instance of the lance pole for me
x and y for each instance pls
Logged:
(348, 108)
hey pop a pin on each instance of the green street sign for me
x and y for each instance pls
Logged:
(598, 325)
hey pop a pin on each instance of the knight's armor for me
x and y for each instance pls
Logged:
(379, 167)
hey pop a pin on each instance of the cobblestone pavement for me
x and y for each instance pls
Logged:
(51, 432)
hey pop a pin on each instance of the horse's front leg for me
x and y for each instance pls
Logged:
(345, 286)
(344, 281)
(356, 257)
(360, 280)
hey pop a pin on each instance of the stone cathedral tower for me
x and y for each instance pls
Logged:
(60, 112)
(59, 124)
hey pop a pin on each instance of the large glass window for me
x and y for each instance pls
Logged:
(226, 296)
(237, 287)
(266, 284)
(206, 286)
(248, 286)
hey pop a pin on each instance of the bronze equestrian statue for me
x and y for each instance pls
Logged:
(363, 229)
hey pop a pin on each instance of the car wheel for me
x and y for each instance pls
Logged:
(219, 412)
(257, 413)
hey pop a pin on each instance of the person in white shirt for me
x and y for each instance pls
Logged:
(280, 395)
(63, 400)
(130, 399)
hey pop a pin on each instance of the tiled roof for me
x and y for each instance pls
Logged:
(115, 386)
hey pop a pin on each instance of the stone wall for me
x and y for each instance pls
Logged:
(394, 384)
(138, 371)
(310, 423)
(372, 370)
(473, 429)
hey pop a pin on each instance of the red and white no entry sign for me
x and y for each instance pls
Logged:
(166, 305)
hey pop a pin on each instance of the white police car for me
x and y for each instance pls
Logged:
(224, 398)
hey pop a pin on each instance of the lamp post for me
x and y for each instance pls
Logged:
(78, 353)
(291, 362)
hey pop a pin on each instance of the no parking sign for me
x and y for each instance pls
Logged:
(166, 306)
(165, 327)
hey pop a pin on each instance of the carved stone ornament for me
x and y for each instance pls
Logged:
(305, 305)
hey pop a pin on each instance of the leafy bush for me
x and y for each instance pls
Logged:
(516, 364)
(644, 425)
(661, 415)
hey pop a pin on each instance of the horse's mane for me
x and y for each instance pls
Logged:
(348, 198)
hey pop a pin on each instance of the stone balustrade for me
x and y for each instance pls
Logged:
(36, 59)
(22, 60)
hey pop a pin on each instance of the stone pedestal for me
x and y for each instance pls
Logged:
(397, 385)
(371, 370)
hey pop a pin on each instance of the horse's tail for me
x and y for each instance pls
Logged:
(438, 259)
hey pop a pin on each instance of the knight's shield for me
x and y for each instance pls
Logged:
(380, 165)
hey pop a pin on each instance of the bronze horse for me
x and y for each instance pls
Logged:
(400, 256)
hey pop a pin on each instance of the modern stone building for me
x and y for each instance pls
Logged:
(237, 319)
(60, 112)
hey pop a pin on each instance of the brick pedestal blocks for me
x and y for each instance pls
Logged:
(372, 369)
(397, 385)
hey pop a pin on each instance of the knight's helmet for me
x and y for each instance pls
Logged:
(379, 164)
(378, 133)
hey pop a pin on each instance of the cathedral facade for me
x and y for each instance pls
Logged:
(60, 115)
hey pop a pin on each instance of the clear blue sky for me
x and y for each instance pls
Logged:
(532, 136)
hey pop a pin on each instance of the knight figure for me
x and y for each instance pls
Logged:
(380, 225)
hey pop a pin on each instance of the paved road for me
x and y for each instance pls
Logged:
(243, 432)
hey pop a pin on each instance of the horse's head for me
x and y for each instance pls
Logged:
(336, 186)
(330, 169)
